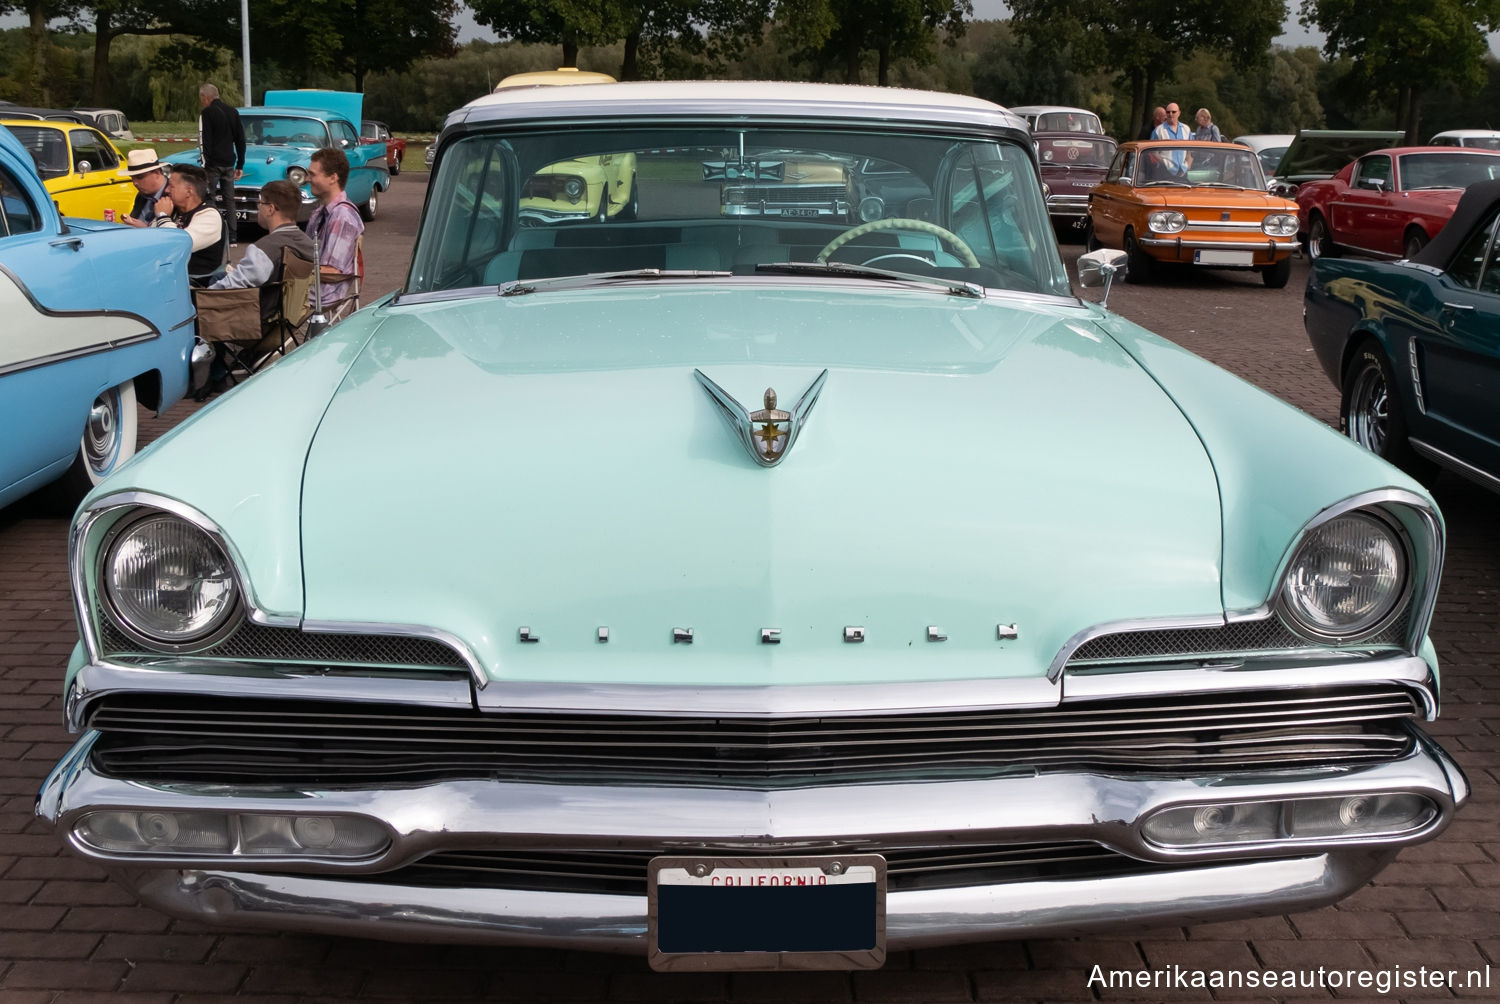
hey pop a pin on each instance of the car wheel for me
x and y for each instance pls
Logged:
(108, 440)
(1415, 241)
(1137, 262)
(1090, 242)
(1370, 411)
(632, 209)
(368, 208)
(1276, 276)
(1319, 244)
(395, 168)
(603, 215)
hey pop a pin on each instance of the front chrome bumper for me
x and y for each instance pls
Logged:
(349, 898)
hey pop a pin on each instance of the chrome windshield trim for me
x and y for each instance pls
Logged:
(453, 641)
(1073, 644)
(772, 701)
(421, 688)
(1409, 671)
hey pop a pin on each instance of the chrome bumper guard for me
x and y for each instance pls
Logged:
(319, 896)
(1270, 245)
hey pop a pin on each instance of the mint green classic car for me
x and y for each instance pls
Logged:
(753, 592)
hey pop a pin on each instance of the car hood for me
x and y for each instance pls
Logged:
(489, 464)
(263, 163)
(1320, 153)
(1177, 197)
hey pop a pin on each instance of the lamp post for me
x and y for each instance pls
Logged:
(245, 49)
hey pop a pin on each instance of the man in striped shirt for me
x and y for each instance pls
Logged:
(337, 226)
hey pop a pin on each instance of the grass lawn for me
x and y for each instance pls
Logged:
(413, 161)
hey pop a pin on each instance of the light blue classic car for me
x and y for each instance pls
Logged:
(98, 319)
(281, 136)
(763, 592)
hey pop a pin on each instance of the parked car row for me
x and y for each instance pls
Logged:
(817, 670)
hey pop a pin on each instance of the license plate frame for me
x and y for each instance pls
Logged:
(1236, 259)
(708, 913)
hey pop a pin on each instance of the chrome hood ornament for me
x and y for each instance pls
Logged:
(767, 434)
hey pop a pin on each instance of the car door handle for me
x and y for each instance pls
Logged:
(1455, 308)
(76, 243)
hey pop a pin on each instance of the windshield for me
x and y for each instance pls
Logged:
(48, 149)
(284, 130)
(1068, 122)
(1072, 152)
(523, 206)
(1447, 170)
(1221, 167)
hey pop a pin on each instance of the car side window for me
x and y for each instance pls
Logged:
(17, 214)
(1373, 172)
(1477, 264)
(90, 146)
(344, 133)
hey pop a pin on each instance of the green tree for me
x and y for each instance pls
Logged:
(33, 80)
(113, 19)
(354, 37)
(839, 33)
(569, 23)
(1403, 47)
(1143, 40)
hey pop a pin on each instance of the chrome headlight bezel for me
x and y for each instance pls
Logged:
(297, 175)
(1291, 611)
(1279, 225)
(1166, 221)
(222, 624)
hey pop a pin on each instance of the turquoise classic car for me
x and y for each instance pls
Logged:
(98, 321)
(748, 593)
(281, 136)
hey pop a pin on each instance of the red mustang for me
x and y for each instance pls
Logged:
(1390, 203)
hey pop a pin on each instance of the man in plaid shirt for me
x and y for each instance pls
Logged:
(337, 226)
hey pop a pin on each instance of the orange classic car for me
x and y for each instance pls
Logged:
(1203, 204)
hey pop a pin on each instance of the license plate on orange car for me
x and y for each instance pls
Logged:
(1204, 256)
(708, 913)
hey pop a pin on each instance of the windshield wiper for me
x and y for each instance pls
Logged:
(520, 287)
(957, 287)
(1221, 184)
(1167, 181)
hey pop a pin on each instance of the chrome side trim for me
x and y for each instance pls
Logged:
(1408, 670)
(1462, 468)
(1060, 661)
(245, 680)
(772, 701)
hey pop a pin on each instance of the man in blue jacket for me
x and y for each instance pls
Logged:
(221, 139)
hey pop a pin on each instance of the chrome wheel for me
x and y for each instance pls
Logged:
(1318, 243)
(102, 433)
(1415, 242)
(371, 205)
(1369, 419)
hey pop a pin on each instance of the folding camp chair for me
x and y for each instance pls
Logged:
(231, 319)
(293, 306)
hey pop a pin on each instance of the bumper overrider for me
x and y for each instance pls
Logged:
(519, 861)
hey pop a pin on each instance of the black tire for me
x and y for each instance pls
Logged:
(1371, 413)
(1090, 242)
(1415, 241)
(109, 439)
(603, 215)
(370, 206)
(1138, 263)
(396, 167)
(1276, 276)
(632, 208)
(1319, 243)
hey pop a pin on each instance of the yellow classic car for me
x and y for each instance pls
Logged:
(597, 188)
(1203, 204)
(80, 167)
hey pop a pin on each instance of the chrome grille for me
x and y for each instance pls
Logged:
(623, 873)
(1241, 638)
(172, 737)
(794, 194)
(257, 643)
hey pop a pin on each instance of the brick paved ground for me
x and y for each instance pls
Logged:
(67, 934)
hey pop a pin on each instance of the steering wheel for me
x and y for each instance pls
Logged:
(964, 252)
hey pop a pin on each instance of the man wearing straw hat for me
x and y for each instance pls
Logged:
(150, 180)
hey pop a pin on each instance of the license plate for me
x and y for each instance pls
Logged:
(801, 212)
(709, 914)
(243, 215)
(1204, 256)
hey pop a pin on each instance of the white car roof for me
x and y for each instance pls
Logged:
(729, 97)
(1467, 133)
(1261, 140)
(1048, 109)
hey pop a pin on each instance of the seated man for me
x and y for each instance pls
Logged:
(149, 176)
(276, 213)
(184, 207)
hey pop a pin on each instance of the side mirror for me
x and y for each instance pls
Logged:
(1101, 267)
(84, 167)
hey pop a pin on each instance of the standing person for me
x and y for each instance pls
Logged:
(1157, 118)
(337, 226)
(221, 141)
(1206, 129)
(150, 181)
(1177, 161)
(185, 207)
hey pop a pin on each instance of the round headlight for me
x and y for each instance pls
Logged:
(1347, 577)
(1166, 221)
(168, 582)
(871, 207)
(1279, 225)
(573, 189)
(296, 176)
